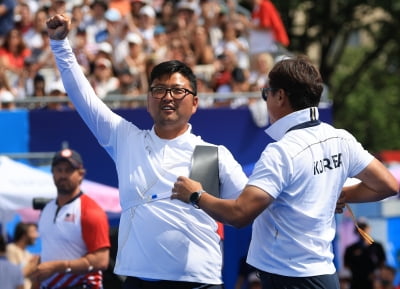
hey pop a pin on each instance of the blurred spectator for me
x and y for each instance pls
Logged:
(167, 12)
(33, 37)
(103, 79)
(192, 31)
(12, 56)
(6, 18)
(146, 26)
(38, 86)
(43, 60)
(237, 45)
(84, 53)
(105, 50)
(96, 23)
(4, 84)
(56, 89)
(228, 77)
(201, 46)
(128, 86)
(34, 5)
(10, 275)
(135, 59)
(186, 18)
(363, 259)
(6, 99)
(210, 18)
(263, 63)
(78, 16)
(114, 32)
(178, 48)
(385, 278)
(23, 17)
(267, 29)
(25, 235)
(160, 44)
(132, 18)
(204, 92)
(14, 51)
(58, 7)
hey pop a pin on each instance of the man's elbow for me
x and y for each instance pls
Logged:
(102, 260)
(395, 190)
(240, 222)
(103, 264)
(391, 190)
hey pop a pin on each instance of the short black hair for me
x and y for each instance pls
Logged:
(174, 66)
(300, 79)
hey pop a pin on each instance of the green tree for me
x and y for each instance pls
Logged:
(356, 45)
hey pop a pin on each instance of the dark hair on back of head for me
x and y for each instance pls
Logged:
(174, 66)
(300, 79)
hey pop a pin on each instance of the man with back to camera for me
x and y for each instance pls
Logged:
(293, 192)
(74, 231)
(162, 244)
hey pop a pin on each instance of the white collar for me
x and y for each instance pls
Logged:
(278, 129)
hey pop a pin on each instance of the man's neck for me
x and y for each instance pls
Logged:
(63, 199)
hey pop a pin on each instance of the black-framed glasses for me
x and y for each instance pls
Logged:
(177, 93)
(265, 90)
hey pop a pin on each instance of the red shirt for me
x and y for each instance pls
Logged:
(268, 17)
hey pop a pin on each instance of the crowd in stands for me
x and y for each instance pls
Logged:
(117, 42)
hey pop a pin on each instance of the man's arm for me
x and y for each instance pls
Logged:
(97, 260)
(238, 213)
(99, 118)
(377, 183)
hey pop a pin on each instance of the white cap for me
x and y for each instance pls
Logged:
(6, 96)
(134, 38)
(112, 15)
(105, 47)
(56, 85)
(186, 5)
(147, 10)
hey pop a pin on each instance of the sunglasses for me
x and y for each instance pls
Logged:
(265, 90)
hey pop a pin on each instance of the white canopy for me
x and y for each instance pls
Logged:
(20, 184)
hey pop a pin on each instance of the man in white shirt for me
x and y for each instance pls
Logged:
(162, 243)
(294, 188)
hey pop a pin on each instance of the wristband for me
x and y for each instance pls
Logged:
(68, 269)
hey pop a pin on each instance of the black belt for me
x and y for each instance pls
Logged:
(136, 283)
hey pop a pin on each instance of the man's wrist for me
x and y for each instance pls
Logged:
(68, 268)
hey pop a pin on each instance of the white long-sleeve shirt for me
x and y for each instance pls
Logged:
(163, 238)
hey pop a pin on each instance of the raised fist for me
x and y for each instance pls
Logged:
(58, 26)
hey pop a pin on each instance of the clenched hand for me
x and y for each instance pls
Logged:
(58, 26)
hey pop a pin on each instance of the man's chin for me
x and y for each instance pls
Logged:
(64, 192)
